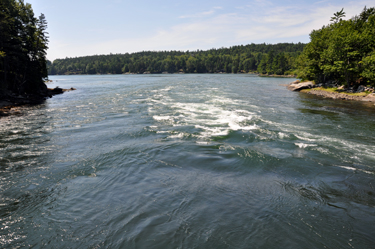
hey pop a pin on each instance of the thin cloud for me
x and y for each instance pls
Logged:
(217, 29)
(201, 14)
(324, 1)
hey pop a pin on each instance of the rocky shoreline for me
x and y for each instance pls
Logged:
(333, 95)
(11, 104)
(345, 94)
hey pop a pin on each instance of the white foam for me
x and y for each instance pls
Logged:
(282, 135)
(217, 116)
(179, 135)
(159, 118)
(303, 145)
(355, 169)
(202, 142)
(348, 168)
(166, 89)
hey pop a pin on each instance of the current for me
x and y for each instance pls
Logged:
(187, 161)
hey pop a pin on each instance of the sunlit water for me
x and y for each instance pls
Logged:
(187, 161)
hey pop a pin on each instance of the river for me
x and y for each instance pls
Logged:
(187, 161)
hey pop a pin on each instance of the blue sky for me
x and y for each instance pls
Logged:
(82, 27)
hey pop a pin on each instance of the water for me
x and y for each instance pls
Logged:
(187, 161)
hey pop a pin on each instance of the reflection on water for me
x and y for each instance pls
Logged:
(187, 161)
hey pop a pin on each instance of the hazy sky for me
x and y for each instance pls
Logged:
(88, 27)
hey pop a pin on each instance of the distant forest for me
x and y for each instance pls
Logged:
(264, 58)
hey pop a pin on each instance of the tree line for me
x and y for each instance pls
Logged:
(265, 58)
(342, 51)
(23, 45)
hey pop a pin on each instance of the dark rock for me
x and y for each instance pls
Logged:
(361, 89)
(56, 90)
(10, 100)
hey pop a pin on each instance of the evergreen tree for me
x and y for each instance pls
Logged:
(230, 60)
(23, 45)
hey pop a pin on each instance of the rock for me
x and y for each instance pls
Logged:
(5, 103)
(340, 88)
(9, 101)
(300, 86)
(295, 82)
(370, 97)
(360, 89)
(350, 90)
(56, 90)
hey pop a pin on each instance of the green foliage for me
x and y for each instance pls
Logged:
(342, 51)
(23, 45)
(369, 66)
(226, 60)
(337, 17)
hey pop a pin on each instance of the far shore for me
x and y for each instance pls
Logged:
(181, 72)
(164, 73)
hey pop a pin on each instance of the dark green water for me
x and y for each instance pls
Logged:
(187, 161)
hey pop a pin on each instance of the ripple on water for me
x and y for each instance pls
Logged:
(185, 161)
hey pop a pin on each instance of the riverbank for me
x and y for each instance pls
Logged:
(333, 91)
(367, 97)
(11, 104)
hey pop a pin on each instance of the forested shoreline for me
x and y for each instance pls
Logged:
(264, 58)
(23, 63)
(342, 52)
(23, 48)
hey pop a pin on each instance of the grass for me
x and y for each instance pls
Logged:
(277, 76)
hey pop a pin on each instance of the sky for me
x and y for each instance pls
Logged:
(89, 27)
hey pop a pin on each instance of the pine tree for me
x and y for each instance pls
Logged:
(23, 45)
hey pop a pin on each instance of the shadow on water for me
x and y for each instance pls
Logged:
(356, 119)
(326, 114)
(348, 106)
(343, 193)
